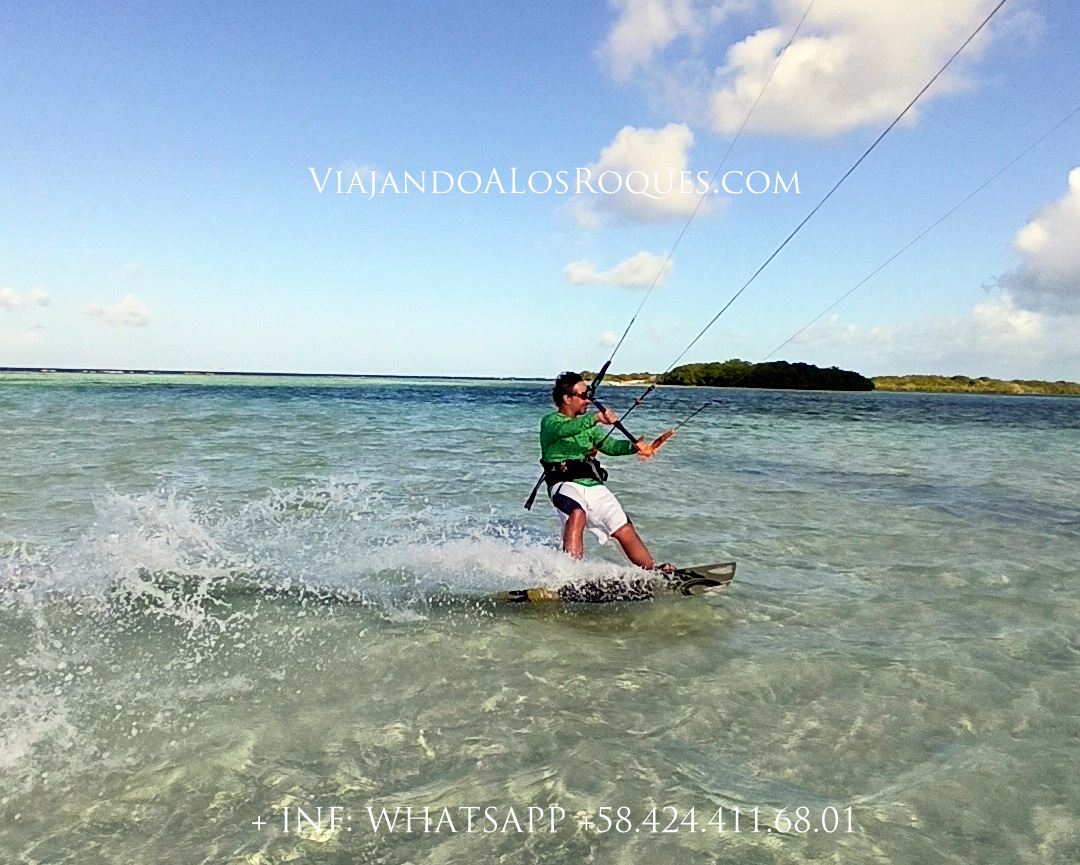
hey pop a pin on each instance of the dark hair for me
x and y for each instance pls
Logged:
(564, 386)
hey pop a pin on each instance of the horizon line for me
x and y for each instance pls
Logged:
(264, 373)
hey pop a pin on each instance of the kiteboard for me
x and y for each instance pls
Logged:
(698, 580)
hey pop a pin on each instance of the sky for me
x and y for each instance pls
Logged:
(169, 179)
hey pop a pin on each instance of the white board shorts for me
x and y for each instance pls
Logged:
(603, 514)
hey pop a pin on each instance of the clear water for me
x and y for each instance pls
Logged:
(224, 598)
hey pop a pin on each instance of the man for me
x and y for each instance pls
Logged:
(569, 438)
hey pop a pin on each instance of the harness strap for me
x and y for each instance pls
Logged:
(572, 470)
(568, 470)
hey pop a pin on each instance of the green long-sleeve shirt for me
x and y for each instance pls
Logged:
(566, 438)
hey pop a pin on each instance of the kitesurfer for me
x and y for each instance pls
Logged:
(569, 440)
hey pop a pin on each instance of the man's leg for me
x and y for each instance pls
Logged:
(573, 535)
(633, 546)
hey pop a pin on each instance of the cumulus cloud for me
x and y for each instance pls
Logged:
(996, 338)
(642, 28)
(638, 271)
(655, 165)
(11, 299)
(853, 63)
(608, 339)
(129, 312)
(1048, 280)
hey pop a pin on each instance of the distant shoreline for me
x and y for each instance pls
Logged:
(888, 384)
(963, 384)
(891, 383)
(78, 370)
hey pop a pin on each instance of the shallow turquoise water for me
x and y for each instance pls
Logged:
(218, 602)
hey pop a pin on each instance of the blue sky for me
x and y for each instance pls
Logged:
(159, 209)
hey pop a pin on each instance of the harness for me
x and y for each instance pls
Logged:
(572, 470)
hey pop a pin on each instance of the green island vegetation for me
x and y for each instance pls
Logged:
(739, 373)
(623, 377)
(777, 374)
(963, 384)
(802, 376)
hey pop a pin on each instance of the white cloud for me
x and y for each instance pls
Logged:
(855, 62)
(638, 271)
(11, 299)
(1049, 278)
(996, 338)
(999, 321)
(129, 312)
(608, 339)
(652, 163)
(642, 28)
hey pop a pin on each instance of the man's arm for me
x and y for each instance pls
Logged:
(622, 447)
(602, 439)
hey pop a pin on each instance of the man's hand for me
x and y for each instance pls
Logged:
(647, 451)
(644, 449)
(606, 416)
